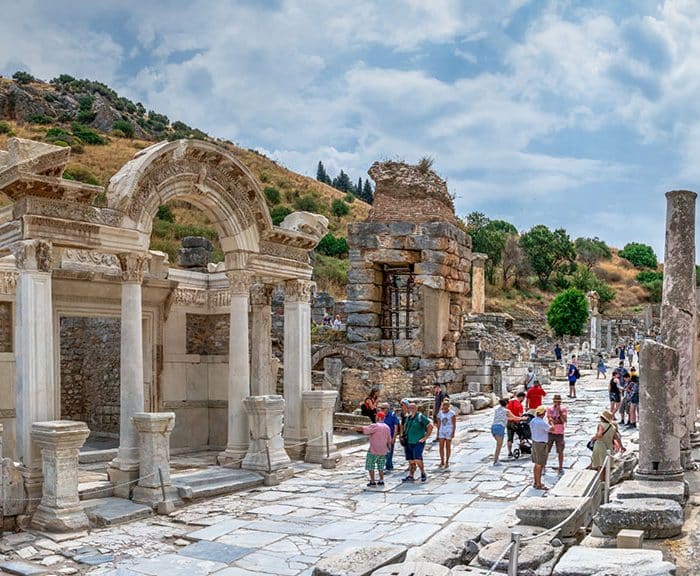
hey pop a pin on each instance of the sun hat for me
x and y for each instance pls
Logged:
(607, 416)
(405, 401)
(556, 397)
(540, 410)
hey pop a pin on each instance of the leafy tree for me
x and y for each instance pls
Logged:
(272, 195)
(547, 251)
(590, 251)
(22, 77)
(340, 208)
(279, 213)
(126, 127)
(307, 203)
(342, 182)
(489, 237)
(321, 174)
(367, 194)
(640, 255)
(653, 282)
(585, 280)
(87, 135)
(165, 213)
(515, 265)
(568, 313)
(331, 245)
(646, 276)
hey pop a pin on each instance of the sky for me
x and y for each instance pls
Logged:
(578, 115)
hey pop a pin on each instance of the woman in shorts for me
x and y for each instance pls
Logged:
(447, 424)
(498, 428)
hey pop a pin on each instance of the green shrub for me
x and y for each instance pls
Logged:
(329, 270)
(307, 203)
(57, 134)
(22, 77)
(331, 245)
(124, 126)
(81, 174)
(5, 128)
(165, 213)
(568, 313)
(87, 135)
(61, 143)
(173, 231)
(279, 213)
(640, 255)
(272, 195)
(85, 103)
(85, 116)
(655, 289)
(77, 148)
(340, 208)
(39, 119)
(349, 198)
(646, 276)
(264, 177)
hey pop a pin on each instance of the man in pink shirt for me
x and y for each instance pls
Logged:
(379, 445)
(557, 416)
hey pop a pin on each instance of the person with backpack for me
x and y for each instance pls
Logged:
(572, 375)
(529, 379)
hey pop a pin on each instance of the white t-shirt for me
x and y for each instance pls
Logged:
(500, 416)
(445, 419)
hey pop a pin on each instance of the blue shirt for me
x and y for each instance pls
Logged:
(539, 429)
(392, 421)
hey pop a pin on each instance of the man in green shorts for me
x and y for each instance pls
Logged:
(379, 444)
(418, 430)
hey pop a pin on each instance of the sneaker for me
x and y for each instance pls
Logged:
(389, 469)
(497, 463)
(408, 479)
(370, 484)
(423, 477)
(560, 471)
(380, 483)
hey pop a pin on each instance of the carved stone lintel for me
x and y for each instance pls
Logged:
(190, 297)
(298, 290)
(8, 282)
(133, 266)
(32, 255)
(239, 282)
(261, 294)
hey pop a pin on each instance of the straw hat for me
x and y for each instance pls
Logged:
(607, 416)
(540, 410)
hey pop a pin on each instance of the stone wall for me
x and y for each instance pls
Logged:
(207, 334)
(90, 362)
(5, 327)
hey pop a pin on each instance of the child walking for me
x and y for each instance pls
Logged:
(447, 424)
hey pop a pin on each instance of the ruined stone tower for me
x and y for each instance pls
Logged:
(408, 283)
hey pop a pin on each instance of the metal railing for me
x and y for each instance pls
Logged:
(517, 540)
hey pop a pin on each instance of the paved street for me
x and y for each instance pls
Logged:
(285, 530)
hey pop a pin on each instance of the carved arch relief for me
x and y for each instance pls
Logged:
(201, 173)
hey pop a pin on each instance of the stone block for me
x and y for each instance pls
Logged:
(576, 483)
(401, 347)
(465, 407)
(368, 292)
(474, 387)
(413, 569)
(431, 269)
(530, 556)
(193, 257)
(364, 275)
(196, 242)
(363, 334)
(656, 517)
(436, 282)
(630, 538)
(403, 229)
(677, 491)
(357, 306)
(548, 512)
(360, 560)
(581, 561)
(481, 402)
(449, 547)
(367, 320)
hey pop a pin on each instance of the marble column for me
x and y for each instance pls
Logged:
(297, 361)
(60, 509)
(124, 469)
(660, 412)
(154, 430)
(478, 283)
(261, 382)
(319, 406)
(35, 384)
(678, 304)
(266, 452)
(238, 370)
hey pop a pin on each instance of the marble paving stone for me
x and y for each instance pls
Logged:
(343, 530)
(269, 563)
(22, 568)
(216, 530)
(250, 538)
(274, 509)
(409, 536)
(175, 565)
(236, 571)
(214, 551)
(283, 527)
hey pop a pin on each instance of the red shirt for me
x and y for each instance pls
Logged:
(516, 408)
(534, 397)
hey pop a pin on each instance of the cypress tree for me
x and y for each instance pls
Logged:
(367, 193)
(321, 174)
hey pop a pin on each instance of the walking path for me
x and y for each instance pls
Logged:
(285, 530)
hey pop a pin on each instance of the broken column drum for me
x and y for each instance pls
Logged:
(678, 303)
(660, 411)
(265, 417)
(319, 406)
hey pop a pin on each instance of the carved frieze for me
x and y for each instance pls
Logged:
(219, 299)
(283, 251)
(298, 290)
(89, 258)
(190, 297)
(32, 255)
(67, 211)
(133, 266)
(8, 282)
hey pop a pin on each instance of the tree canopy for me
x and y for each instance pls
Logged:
(640, 255)
(568, 313)
(547, 251)
(590, 251)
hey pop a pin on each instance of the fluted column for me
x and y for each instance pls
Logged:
(124, 469)
(678, 304)
(238, 370)
(261, 383)
(297, 361)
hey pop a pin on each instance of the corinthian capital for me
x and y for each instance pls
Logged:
(239, 282)
(298, 290)
(32, 255)
(261, 294)
(133, 266)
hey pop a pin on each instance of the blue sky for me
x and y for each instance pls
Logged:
(573, 114)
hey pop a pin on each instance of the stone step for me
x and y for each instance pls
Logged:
(658, 518)
(677, 491)
(109, 511)
(581, 561)
(550, 511)
(214, 481)
(95, 489)
(94, 456)
(575, 483)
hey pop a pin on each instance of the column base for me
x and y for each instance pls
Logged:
(695, 439)
(274, 478)
(670, 476)
(295, 448)
(33, 479)
(123, 477)
(153, 497)
(256, 458)
(231, 457)
(49, 519)
(316, 453)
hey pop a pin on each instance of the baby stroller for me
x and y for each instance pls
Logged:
(522, 429)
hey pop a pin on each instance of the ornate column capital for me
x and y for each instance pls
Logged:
(133, 266)
(261, 294)
(33, 255)
(239, 282)
(298, 290)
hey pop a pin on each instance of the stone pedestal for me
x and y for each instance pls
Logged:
(238, 371)
(660, 410)
(60, 509)
(124, 469)
(266, 452)
(34, 372)
(478, 283)
(319, 406)
(261, 377)
(154, 430)
(297, 362)
(678, 304)
(595, 321)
